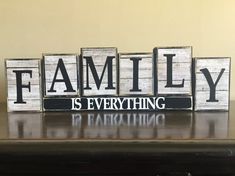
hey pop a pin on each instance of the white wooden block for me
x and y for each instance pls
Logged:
(175, 80)
(93, 65)
(211, 125)
(25, 125)
(136, 74)
(23, 84)
(61, 75)
(208, 94)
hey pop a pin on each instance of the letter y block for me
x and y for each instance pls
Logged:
(212, 83)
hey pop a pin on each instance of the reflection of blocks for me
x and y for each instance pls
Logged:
(60, 75)
(136, 74)
(211, 124)
(23, 125)
(99, 71)
(23, 84)
(60, 126)
(212, 77)
(179, 127)
(173, 70)
(100, 133)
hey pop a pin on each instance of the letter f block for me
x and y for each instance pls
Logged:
(212, 81)
(23, 84)
(99, 67)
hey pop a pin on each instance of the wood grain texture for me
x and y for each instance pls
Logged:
(99, 57)
(32, 97)
(181, 69)
(145, 74)
(202, 88)
(31, 105)
(50, 65)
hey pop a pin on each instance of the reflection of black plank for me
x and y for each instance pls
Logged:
(81, 158)
(57, 120)
(171, 103)
(179, 119)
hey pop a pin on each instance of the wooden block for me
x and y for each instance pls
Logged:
(178, 102)
(136, 74)
(57, 104)
(212, 81)
(23, 84)
(60, 75)
(211, 125)
(99, 67)
(173, 70)
(118, 103)
(25, 125)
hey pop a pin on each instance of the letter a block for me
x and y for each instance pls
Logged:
(212, 80)
(99, 71)
(60, 75)
(23, 84)
(136, 74)
(174, 70)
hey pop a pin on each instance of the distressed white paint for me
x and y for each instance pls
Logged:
(161, 86)
(202, 89)
(145, 85)
(99, 56)
(32, 97)
(222, 84)
(145, 74)
(50, 65)
(11, 76)
(31, 105)
(181, 69)
(22, 63)
(34, 94)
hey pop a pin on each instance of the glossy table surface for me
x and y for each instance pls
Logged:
(177, 126)
(179, 143)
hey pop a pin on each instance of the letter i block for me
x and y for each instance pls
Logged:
(212, 81)
(99, 67)
(136, 74)
(60, 75)
(23, 84)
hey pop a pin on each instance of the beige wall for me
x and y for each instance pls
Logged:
(31, 27)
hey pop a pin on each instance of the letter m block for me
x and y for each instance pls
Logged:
(212, 80)
(23, 84)
(99, 67)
